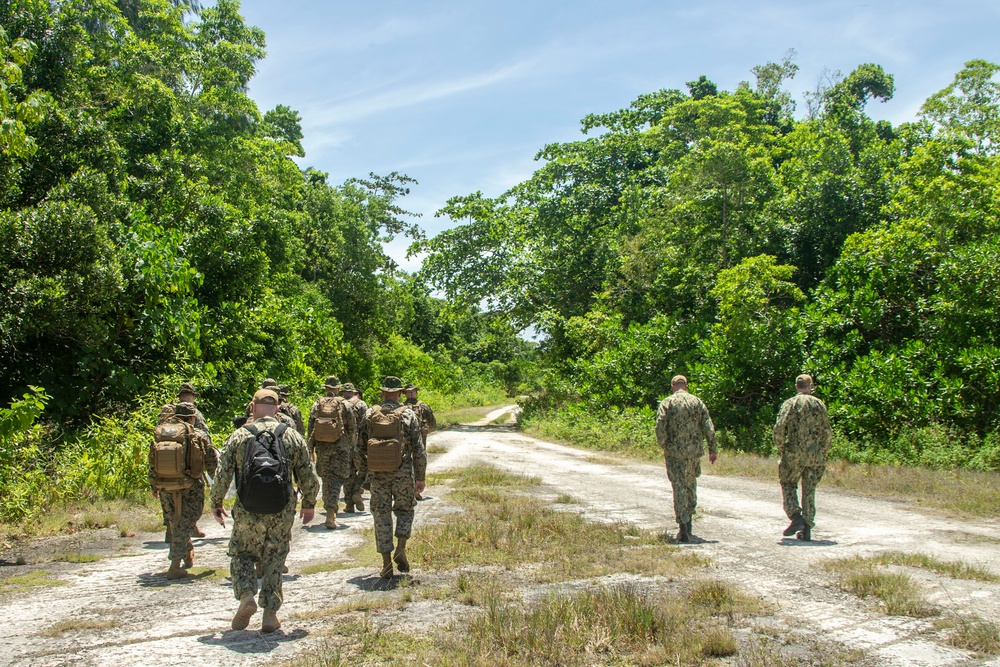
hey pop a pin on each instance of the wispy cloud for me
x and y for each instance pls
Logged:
(357, 108)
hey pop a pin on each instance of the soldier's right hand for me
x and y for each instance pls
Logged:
(219, 513)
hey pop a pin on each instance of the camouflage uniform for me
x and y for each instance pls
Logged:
(333, 459)
(392, 492)
(353, 491)
(192, 500)
(425, 415)
(262, 538)
(200, 425)
(802, 436)
(681, 422)
(296, 416)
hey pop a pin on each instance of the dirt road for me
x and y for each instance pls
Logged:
(121, 610)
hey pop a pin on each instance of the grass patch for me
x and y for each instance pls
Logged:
(436, 449)
(508, 530)
(326, 566)
(972, 633)
(76, 557)
(603, 460)
(564, 499)
(209, 573)
(128, 516)
(505, 418)
(30, 580)
(464, 415)
(898, 593)
(361, 604)
(77, 625)
(949, 568)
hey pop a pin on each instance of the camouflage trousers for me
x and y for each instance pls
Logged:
(192, 505)
(353, 492)
(392, 493)
(789, 474)
(262, 538)
(333, 465)
(683, 475)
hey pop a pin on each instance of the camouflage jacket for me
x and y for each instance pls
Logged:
(350, 435)
(681, 422)
(298, 461)
(424, 414)
(296, 415)
(802, 432)
(414, 456)
(360, 410)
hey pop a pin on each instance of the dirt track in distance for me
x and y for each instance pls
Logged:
(128, 614)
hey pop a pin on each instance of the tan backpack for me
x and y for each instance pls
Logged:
(177, 457)
(385, 439)
(329, 419)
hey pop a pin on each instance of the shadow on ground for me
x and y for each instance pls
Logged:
(252, 641)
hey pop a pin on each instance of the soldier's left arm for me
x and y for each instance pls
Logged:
(350, 422)
(827, 430)
(417, 452)
(708, 429)
(302, 465)
(430, 419)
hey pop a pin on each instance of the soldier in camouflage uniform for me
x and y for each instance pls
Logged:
(353, 489)
(681, 422)
(289, 409)
(424, 413)
(186, 394)
(333, 459)
(802, 436)
(182, 520)
(268, 383)
(393, 491)
(263, 538)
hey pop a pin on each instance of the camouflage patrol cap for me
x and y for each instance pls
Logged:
(266, 396)
(184, 409)
(347, 386)
(331, 381)
(391, 383)
(803, 381)
(283, 390)
(268, 383)
(410, 387)
(186, 388)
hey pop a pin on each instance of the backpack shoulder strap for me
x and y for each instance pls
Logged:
(278, 432)
(253, 429)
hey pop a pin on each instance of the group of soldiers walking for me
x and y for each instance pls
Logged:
(802, 436)
(348, 446)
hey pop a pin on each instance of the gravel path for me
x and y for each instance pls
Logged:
(126, 612)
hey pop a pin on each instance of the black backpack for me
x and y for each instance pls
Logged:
(264, 485)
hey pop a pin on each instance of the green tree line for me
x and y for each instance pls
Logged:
(723, 235)
(154, 227)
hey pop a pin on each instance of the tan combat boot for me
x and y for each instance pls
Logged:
(270, 622)
(359, 502)
(248, 607)
(386, 565)
(189, 558)
(400, 555)
(349, 507)
(176, 571)
(331, 520)
(198, 532)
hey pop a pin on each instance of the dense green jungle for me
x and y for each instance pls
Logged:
(155, 227)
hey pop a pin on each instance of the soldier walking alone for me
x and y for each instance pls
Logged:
(802, 436)
(681, 422)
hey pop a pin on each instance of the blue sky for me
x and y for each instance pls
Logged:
(461, 95)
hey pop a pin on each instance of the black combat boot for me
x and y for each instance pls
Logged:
(797, 524)
(690, 527)
(805, 534)
(683, 535)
